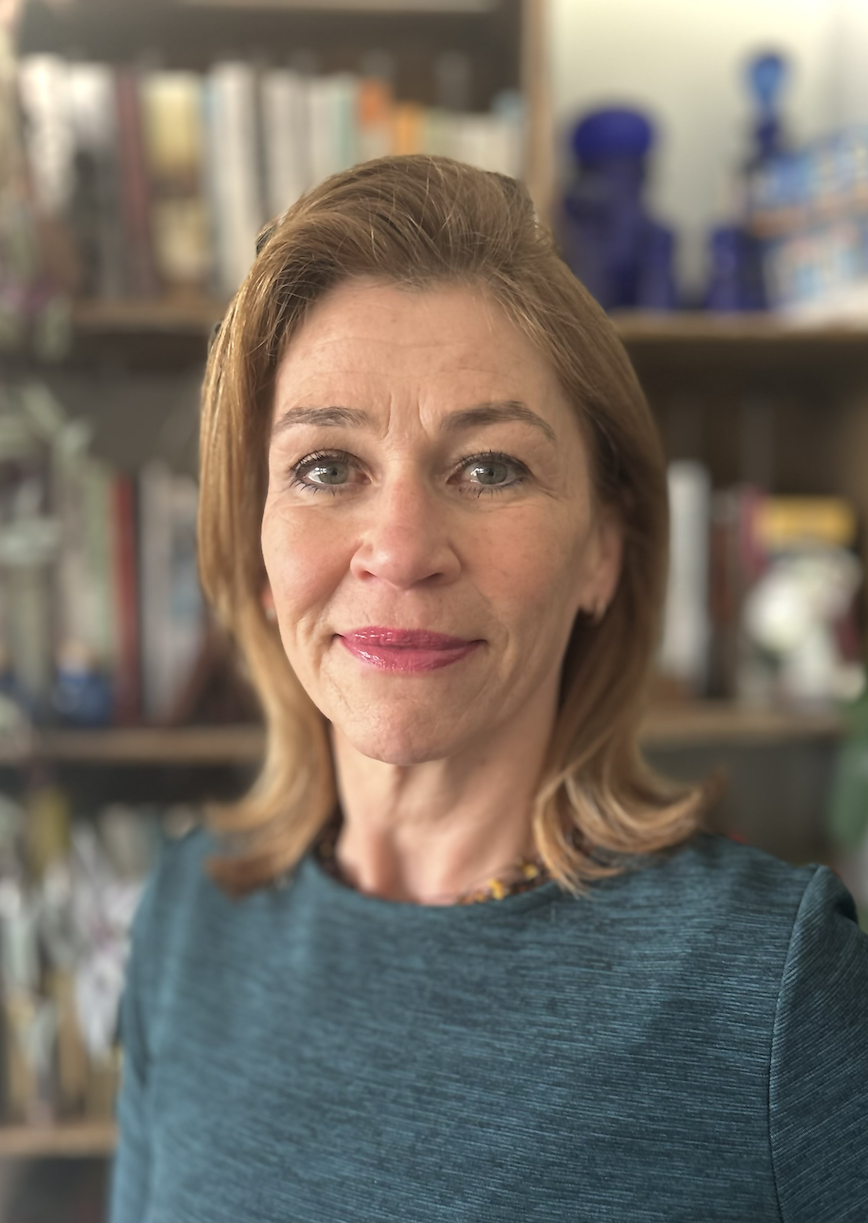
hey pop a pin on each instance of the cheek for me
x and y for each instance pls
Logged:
(536, 563)
(304, 564)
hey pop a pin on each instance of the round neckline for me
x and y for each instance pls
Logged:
(352, 901)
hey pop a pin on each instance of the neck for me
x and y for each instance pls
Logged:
(430, 833)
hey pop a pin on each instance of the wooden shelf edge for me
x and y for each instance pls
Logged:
(196, 316)
(74, 1139)
(363, 7)
(708, 722)
(158, 316)
(140, 745)
(721, 722)
(760, 327)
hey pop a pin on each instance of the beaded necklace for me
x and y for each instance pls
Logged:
(522, 876)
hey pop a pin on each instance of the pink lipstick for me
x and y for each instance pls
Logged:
(396, 649)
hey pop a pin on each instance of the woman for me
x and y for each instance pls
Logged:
(460, 954)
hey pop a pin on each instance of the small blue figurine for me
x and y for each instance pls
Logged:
(621, 255)
(735, 280)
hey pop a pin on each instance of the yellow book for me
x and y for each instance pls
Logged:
(793, 522)
(409, 127)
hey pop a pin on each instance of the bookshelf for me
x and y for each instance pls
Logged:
(694, 366)
(73, 1140)
(503, 40)
(185, 745)
(676, 338)
(666, 725)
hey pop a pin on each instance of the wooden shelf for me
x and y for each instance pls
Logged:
(77, 1139)
(684, 328)
(149, 316)
(402, 7)
(666, 725)
(197, 316)
(763, 353)
(678, 327)
(190, 745)
(721, 722)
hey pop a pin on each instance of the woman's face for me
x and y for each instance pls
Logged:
(429, 532)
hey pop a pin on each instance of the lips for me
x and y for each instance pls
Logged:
(395, 649)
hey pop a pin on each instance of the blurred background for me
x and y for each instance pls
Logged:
(705, 169)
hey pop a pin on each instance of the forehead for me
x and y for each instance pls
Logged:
(365, 332)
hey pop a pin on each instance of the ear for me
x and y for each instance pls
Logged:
(267, 600)
(604, 569)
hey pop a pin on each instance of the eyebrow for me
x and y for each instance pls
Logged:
(493, 413)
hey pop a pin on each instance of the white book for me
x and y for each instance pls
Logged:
(333, 125)
(438, 136)
(90, 97)
(87, 615)
(186, 610)
(511, 111)
(286, 136)
(232, 123)
(172, 614)
(50, 141)
(477, 140)
(686, 628)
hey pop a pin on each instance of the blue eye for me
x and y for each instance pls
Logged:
(493, 472)
(330, 471)
(333, 472)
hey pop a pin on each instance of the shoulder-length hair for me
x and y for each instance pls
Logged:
(421, 222)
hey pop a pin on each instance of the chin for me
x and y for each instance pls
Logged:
(404, 745)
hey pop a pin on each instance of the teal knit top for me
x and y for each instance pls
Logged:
(687, 1045)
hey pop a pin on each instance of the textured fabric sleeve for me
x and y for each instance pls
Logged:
(130, 1173)
(818, 1086)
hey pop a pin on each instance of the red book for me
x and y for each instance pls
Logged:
(135, 193)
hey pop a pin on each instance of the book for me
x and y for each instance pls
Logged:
(167, 184)
(171, 611)
(232, 127)
(286, 138)
(95, 209)
(409, 129)
(127, 677)
(333, 124)
(48, 134)
(686, 628)
(174, 138)
(141, 280)
(375, 119)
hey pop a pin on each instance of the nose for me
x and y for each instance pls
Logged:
(406, 537)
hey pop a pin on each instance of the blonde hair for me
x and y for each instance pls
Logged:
(422, 221)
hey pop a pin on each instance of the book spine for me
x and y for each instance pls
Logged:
(233, 146)
(49, 138)
(153, 484)
(141, 274)
(101, 641)
(172, 114)
(286, 138)
(374, 118)
(684, 649)
(127, 672)
(409, 128)
(185, 612)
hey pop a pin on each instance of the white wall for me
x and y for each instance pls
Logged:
(683, 61)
